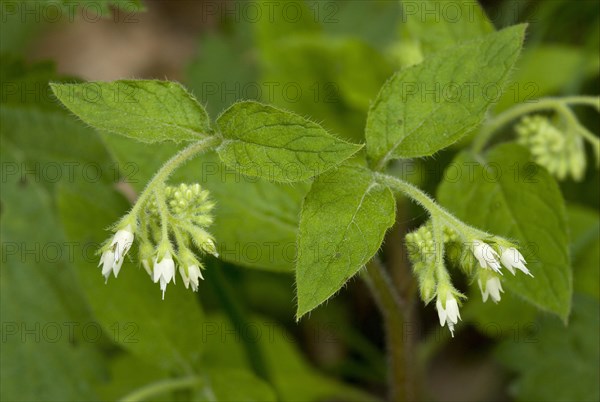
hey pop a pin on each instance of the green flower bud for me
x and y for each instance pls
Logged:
(560, 150)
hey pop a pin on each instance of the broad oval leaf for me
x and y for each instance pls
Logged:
(263, 141)
(146, 110)
(508, 195)
(555, 362)
(45, 354)
(584, 229)
(437, 24)
(427, 107)
(344, 219)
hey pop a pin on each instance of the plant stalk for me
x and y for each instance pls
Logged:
(160, 387)
(169, 167)
(395, 312)
(488, 131)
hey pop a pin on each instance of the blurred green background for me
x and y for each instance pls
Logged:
(68, 336)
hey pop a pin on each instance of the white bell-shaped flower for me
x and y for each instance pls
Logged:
(511, 258)
(107, 261)
(490, 287)
(122, 243)
(486, 255)
(192, 276)
(448, 311)
(164, 271)
(113, 256)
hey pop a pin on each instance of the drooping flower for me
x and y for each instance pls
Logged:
(511, 258)
(486, 255)
(164, 271)
(490, 287)
(122, 242)
(191, 275)
(448, 311)
(114, 254)
(107, 260)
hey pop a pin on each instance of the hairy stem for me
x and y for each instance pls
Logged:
(400, 380)
(169, 167)
(488, 130)
(164, 215)
(436, 211)
(157, 388)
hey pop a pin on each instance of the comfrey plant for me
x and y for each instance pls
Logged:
(353, 197)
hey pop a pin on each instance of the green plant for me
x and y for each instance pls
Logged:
(351, 202)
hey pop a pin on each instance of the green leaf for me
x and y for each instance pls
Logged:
(248, 387)
(125, 374)
(584, 230)
(505, 193)
(148, 111)
(269, 31)
(333, 80)
(546, 70)
(256, 221)
(262, 141)
(354, 19)
(292, 376)
(435, 25)
(557, 363)
(54, 147)
(26, 84)
(344, 219)
(44, 355)
(427, 107)
(129, 308)
(224, 70)
(506, 319)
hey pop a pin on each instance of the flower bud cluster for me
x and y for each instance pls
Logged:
(558, 149)
(190, 211)
(167, 228)
(422, 253)
(187, 202)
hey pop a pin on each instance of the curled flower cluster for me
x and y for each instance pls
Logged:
(479, 259)
(167, 228)
(561, 151)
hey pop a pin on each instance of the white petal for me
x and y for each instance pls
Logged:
(184, 276)
(484, 291)
(452, 310)
(451, 328)
(521, 266)
(512, 258)
(195, 273)
(441, 312)
(122, 242)
(486, 255)
(163, 287)
(117, 266)
(168, 269)
(157, 271)
(107, 261)
(494, 287)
